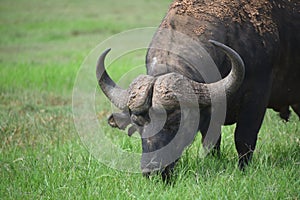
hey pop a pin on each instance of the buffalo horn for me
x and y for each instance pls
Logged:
(232, 82)
(229, 84)
(114, 93)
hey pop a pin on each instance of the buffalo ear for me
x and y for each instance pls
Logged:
(119, 120)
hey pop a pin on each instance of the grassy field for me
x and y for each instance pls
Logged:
(42, 46)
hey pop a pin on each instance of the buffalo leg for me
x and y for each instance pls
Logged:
(246, 135)
(248, 124)
(285, 113)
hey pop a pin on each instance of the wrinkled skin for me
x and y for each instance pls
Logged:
(265, 34)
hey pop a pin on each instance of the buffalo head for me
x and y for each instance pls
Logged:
(156, 107)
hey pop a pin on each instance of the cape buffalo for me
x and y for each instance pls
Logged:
(259, 68)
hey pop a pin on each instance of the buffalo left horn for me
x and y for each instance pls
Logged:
(115, 94)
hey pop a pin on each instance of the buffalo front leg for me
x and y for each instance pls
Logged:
(248, 124)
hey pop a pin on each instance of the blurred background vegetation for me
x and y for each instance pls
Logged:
(42, 45)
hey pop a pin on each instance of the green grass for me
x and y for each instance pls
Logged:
(42, 46)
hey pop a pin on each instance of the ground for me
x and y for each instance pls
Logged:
(42, 46)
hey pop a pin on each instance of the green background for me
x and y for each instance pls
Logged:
(42, 46)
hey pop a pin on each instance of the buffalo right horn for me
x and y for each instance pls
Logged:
(230, 84)
(114, 93)
(172, 87)
(235, 78)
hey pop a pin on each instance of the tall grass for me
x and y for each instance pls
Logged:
(42, 46)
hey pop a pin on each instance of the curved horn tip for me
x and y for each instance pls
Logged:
(228, 50)
(106, 51)
(236, 76)
(100, 64)
(216, 43)
(103, 55)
